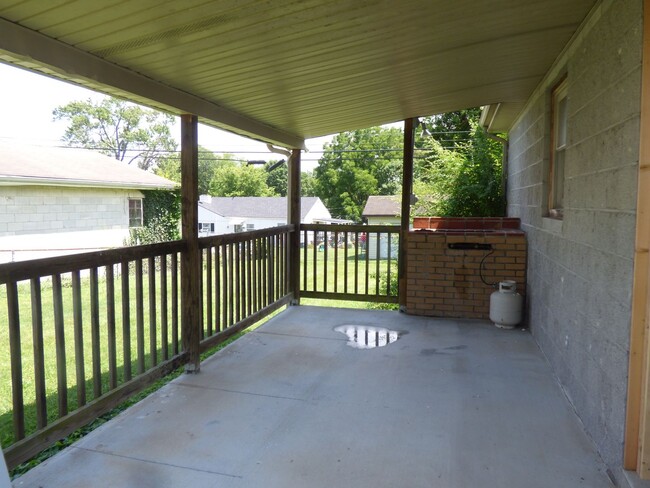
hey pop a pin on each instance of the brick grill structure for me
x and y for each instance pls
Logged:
(445, 282)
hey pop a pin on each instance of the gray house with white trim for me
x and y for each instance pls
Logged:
(56, 201)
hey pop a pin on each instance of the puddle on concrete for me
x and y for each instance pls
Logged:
(367, 337)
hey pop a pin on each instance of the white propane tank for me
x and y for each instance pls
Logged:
(506, 305)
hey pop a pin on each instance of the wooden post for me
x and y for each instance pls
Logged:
(407, 190)
(190, 265)
(293, 218)
(636, 450)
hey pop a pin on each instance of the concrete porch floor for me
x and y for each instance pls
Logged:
(451, 404)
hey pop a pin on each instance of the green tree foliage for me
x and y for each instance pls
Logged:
(233, 179)
(358, 164)
(463, 180)
(120, 129)
(276, 178)
(452, 129)
(307, 184)
(170, 168)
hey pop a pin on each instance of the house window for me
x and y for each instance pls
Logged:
(206, 226)
(238, 228)
(250, 227)
(559, 116)
(135, 212)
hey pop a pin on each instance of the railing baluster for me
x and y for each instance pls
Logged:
(269, 265)
(345, 262)
(314, 267)
(208, 290)
(139, 314)
(39, 357)
(336, 262)
(304, 260)
(78, 339)
(224, 297)
(231, 284)
(249, 275)
(237, 283)
(356, 262)
(278, 260)
(367, 245)
(13, 312)
(110, 320)
(164, 323)
(377, 260)
(174, 265)
(260, 273)
(94, 333)
(126, 321)
(325, 262)
(201, 298)
(388, 267)
(153, 346)
(59, 339)
(217, 290)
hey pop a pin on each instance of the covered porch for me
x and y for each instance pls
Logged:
(452, 403)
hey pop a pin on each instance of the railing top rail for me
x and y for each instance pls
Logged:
(211, 241)
(36, 268)
(351, 227)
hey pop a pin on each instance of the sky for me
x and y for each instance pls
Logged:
(27, 100)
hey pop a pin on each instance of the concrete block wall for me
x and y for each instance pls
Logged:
(445, 282)
(40, 221)
(580, 268)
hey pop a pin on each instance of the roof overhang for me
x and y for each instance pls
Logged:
(70, 182)
(284, 71)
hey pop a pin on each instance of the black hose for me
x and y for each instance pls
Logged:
(480, 270)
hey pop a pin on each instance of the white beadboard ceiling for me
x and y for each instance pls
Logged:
(286, 70)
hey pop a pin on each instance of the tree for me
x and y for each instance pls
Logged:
(120, 129)
(358, 164)
(307, 184)
(463, 181)
(452, 129)
(276, 178)
(170, 167)
(233, 179)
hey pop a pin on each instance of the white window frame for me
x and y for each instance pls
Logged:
(139, 208)
(559, 123)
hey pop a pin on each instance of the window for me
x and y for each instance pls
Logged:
(238, 228)
(135, 212)
(559, 116)
(250, 227)
(206, 226)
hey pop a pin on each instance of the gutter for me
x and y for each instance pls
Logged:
(36, 181)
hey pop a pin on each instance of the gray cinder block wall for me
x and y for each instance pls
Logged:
(580, 268)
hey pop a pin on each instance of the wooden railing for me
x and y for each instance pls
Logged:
(350, 262)
(244, 279)
(105, 325)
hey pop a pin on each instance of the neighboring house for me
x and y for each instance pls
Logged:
(225, 215)
(56, 201)
(382, 210)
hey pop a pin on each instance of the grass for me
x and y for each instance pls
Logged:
(360, 275)
(356, 274)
